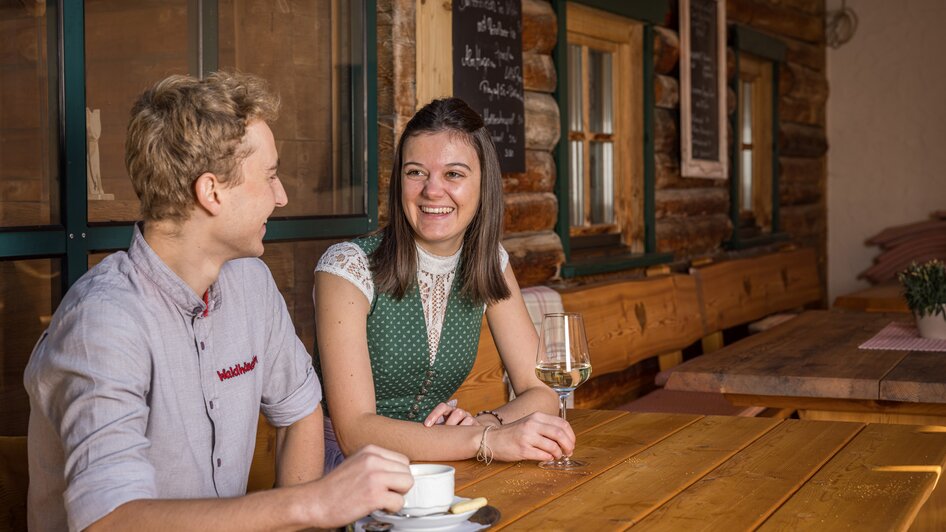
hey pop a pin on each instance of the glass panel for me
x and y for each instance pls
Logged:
(602, 182)
(574, 88)
(29, 114)
(576, 180)
(745, 192)
(309, 52)
(746, 112)
(29, 292)
(599, 97)
(292, 264)
(128, 47)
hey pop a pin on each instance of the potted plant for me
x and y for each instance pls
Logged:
(924, 287)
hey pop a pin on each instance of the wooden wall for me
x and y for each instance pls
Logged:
(692, 215)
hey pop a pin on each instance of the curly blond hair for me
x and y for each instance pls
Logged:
(183, 127)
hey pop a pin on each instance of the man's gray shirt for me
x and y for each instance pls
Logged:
(138, 389)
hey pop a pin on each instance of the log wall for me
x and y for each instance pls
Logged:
(692, 215)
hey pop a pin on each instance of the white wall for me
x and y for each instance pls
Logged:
(886, 129)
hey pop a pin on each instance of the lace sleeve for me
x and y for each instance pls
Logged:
(503, 258)
(349, 262)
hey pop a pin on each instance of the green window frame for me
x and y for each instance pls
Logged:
(650, 12)
(74, 238)
(745, 40)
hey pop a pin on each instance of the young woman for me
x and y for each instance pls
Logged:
(398, 312)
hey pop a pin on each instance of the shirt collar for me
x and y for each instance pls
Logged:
(147, 262)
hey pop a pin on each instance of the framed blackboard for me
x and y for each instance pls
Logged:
(487, 72)
(703, 88)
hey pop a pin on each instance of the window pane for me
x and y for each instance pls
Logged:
(128, 47)
(29, 292)
(602, 182)
(29, 115)
(745, 188)
(574, 88)
(746, 112)
(576, 179)
(309, 52)
(599, 97)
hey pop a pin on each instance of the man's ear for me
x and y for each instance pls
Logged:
(207, 190)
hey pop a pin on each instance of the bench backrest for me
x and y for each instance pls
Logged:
(740, 291)
(629, 321)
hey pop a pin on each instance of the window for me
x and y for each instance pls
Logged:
(754, 187)
(604, 60)
(65, 199)
(605, 126)
(755, 146)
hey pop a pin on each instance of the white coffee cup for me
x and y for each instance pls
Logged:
(432, 491)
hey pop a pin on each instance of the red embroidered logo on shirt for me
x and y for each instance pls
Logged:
(237, 369)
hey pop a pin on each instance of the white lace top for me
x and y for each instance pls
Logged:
(434, 278)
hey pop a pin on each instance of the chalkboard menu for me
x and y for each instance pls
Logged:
(704, 81)
(487, 71)
(703, 96)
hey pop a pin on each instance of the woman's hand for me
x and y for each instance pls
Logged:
(537, 436)
(449, 414)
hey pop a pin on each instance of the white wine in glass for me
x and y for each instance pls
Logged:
(562, 363)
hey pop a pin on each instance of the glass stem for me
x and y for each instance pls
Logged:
(562, 398)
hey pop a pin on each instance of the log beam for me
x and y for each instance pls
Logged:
(527, 211)
(691, 235)
(801, 170)
(802, 141)
(538, 177)
(665, 132)
(666, 92)
(535, 257)
(767, 16)
(691, 201)
(539, 27)
(542, 121)
(538, 72)
(666, 50)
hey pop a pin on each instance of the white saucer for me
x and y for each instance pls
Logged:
(427, 523)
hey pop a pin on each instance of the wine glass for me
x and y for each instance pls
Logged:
(563, 364)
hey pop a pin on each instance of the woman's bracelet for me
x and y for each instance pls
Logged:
(484, 453)
(493, 413)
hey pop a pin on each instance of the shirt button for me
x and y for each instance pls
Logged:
(218, 462)
(430, 373)
(197, 310)
(211, 405)
(418, 397)
(411, 415)
(427, 382)
(423, 390)
(201, 346)
(415, 408)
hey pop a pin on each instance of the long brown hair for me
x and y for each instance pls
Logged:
(394, 261)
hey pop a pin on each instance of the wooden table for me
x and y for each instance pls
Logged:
(679, 472)
(885, 297)
(812, 363)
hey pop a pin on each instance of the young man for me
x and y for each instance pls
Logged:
(146, 388)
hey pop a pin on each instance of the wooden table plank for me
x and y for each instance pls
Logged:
(744, 491)
(886, 297)
(813, 355)
(469, 472)
(520, 489)
(871, 484)
(919, 378)
(640, 483)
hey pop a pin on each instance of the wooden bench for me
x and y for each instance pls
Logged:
(628, 322)
(742, 291)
